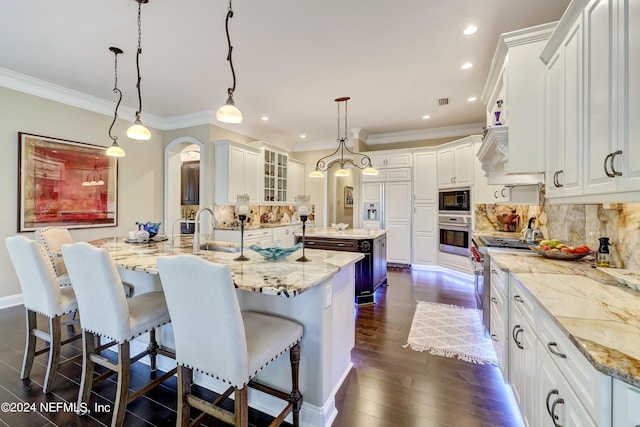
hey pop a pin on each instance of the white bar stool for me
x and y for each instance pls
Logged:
(106, 312)
(214, 337)
(42, 295)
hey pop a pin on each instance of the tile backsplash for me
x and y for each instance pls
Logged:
(577, 224)
(227, 218)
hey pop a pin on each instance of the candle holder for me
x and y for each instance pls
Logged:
(242, 210)
(304, 209)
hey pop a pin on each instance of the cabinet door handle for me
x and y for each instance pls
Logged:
(494, 337)
(502, 191)
(493, 299)
(517, 330)
(554, 417)
(551, 393)
(552, 346)
(556, 179)
(604, 165)
(518, 298)
(495, 194)
(613, 169)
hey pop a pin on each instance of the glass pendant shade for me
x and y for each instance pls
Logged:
(229, 113)
(115, 151)
(342, 172)
(316, 174)
(370, 171)
(138, 131)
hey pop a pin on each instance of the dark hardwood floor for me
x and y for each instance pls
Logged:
(389, 385)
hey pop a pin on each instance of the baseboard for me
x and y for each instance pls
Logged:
(11, 301)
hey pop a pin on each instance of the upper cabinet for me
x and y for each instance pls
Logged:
(455, 164)
(295, 170)
(390, 159)
(513, 147)
(275, 168)
(236, 172)
(425, 189)
(592, 128)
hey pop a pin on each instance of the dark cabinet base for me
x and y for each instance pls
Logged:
(371, 271)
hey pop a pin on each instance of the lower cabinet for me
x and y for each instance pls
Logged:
(371, 272)
(284, 235)
(626, 404)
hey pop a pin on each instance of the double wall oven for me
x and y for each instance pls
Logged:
(454, 221)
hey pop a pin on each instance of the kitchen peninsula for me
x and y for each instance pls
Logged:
(371, 272)
(317, 294)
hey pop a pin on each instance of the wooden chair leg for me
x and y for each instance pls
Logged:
(296, 396)
(55, 328)
(241, 406)
(86, 383)
(30, 344)
(122, 391)
(185, 379)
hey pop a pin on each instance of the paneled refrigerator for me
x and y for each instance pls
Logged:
(387, 206)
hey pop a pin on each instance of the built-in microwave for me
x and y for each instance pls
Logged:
(458, 201)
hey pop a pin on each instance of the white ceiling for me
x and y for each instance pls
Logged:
(292, 58)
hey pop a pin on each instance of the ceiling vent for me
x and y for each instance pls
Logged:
(443, 101)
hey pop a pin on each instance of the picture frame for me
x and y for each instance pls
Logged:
(348, 197)
(65, 183)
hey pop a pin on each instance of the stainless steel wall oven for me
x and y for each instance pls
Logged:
(455, 234)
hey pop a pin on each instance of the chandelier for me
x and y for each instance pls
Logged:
(94, 177)
(361, 161)
(137, 130)
(229, 113)
(115, 150)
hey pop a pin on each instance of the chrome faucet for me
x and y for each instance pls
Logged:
(196, 233)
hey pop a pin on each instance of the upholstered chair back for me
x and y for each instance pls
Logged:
(52, 238)
(101, 299)
(37, 278)
(206, 318)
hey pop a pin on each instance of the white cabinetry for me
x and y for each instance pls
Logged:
(295, 170)
(261, 237)
(425, 208)
(626, 404)
(499, 317)
(285, 235)
(275, 168)
(390, 159)
(522, 352)
(512, 152)
(598, 114)
(455, 164)
(236, 172)
(397, 221)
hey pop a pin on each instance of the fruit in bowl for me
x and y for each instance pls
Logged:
(554, 248)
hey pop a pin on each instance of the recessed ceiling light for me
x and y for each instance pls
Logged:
(470, 30)
(466, 66)
(303, 136)
(471, 99)
(264, 118)
(425, 117)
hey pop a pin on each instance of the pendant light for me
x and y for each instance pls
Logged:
(115, 150)
(137, 130)
(363, 161)
(229, 113)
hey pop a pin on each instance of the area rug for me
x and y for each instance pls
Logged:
(450, 331)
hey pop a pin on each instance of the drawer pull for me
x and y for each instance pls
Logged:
(518, 298)
(310, 243)
(340, 245)
(493, 299)
(551, 346)
(554, 417)
(494, 337)
(551, 393)
(517, 330)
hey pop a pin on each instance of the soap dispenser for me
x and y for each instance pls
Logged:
(603, 257)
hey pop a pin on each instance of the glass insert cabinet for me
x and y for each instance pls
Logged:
(275, 176)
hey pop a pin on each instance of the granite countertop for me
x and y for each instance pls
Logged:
(599, 315)
(349, 233)
(285, 277)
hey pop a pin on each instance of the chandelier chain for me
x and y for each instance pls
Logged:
(116, 51)
(138, 59)
(232, 89)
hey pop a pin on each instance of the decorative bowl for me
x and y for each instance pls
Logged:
(149, 227)
(275, 252)
(557, 254)
(340, 227)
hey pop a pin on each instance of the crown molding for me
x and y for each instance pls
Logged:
(199, 118)
(40, 88)
(423, 134)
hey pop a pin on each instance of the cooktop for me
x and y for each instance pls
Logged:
(504, 242)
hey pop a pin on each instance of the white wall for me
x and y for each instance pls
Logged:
(140, 174)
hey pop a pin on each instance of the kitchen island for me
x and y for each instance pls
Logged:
(371, 271)
(317, 294)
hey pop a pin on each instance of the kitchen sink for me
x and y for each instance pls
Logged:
(220, 247)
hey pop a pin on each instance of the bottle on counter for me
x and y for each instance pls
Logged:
(603, 256)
